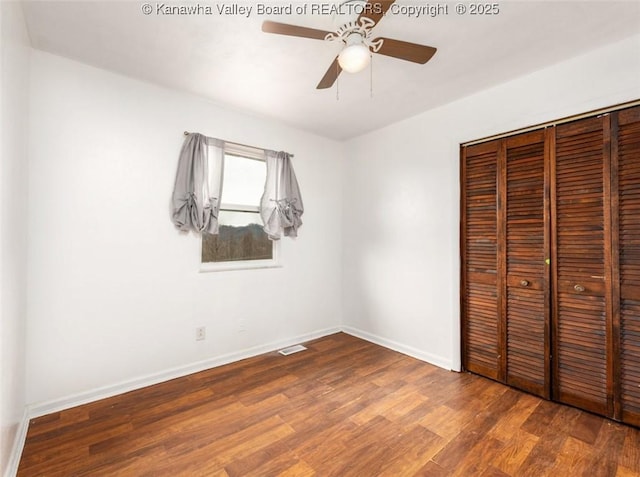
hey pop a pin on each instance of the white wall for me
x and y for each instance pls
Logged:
(14, 72)
(401, 221)
(114, 290)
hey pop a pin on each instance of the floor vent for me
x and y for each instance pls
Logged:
(291, 350)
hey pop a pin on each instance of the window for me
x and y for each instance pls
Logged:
(241, 241)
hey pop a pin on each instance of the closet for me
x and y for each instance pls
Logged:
(550, 262)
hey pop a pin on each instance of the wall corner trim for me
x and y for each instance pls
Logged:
(18, 445)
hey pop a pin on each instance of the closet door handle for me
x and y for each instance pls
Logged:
(578, 288)
(524, 283)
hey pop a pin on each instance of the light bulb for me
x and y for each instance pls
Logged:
(354, 58)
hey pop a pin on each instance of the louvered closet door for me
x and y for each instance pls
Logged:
(580, 367)
(526, 298)
(628, 159)
(479, 261)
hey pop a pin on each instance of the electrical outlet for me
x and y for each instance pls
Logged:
(242, 324)
(201, 333)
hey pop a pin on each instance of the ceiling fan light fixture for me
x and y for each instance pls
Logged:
(354, 58)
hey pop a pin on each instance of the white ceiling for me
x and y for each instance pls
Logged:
(228, 58)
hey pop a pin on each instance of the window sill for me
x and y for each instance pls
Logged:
(240, 265)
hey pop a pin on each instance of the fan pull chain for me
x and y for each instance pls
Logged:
(371, 76)
(337, 82)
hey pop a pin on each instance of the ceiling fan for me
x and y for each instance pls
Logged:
(358, 44)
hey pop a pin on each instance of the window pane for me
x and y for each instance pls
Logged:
(243, 181)
(240, 237)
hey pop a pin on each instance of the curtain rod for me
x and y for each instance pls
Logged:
(186, 133)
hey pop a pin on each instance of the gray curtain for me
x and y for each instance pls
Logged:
(198, 184)
(281, 206)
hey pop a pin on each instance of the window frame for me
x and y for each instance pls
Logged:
(244, 152)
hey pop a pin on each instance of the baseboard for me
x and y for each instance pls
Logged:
(41, 409)
(18, 446)
(400, 348)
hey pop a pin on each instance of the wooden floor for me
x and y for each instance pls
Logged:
(344, 407)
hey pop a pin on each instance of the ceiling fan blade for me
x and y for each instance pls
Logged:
(375, 10)
(330, 76)
(405, 50)
(293, 30)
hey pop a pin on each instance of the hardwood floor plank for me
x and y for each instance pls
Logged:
(512, 421)
(322, 445)
(542, 458)
(574, 458)
(479, 459)
(406, 401)
(493, 472)
(515, 451)
(538, 422)
(630, 453)
(136, 463)
(364, 455)
(422, 372)
(475, 431)
(274, 459)
(441, 387)
(344, 407)
(607, 448)
(180, 406)
(624, 472)
(412, 452)
(587, 428)
(58, 420)
(401, 369)
(388, 401)
(221, 453)
(431, 469)
(299, 469)
(447, 422)
(473, 394)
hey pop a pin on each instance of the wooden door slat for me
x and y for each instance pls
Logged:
(628, 162)
(479, 244)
